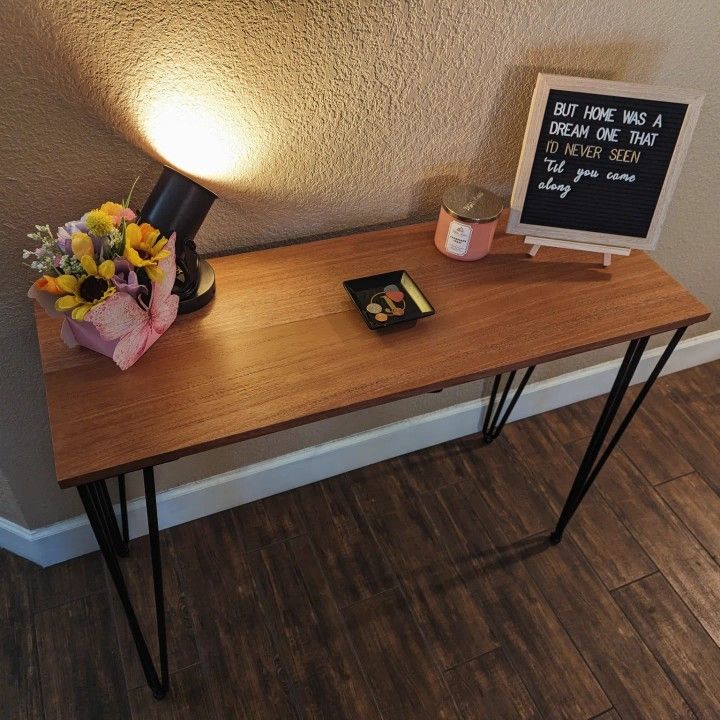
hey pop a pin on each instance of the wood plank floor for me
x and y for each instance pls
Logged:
(418, 588)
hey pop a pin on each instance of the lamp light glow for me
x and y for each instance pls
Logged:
(192, 133)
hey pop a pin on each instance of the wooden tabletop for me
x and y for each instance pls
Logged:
(282, 344)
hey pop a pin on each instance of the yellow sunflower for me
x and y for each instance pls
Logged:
(144, 248)
(82, 294)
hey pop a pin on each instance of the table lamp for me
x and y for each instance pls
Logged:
(178, 204)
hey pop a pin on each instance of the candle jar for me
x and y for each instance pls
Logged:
(467, 221)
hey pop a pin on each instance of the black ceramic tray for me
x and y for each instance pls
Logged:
(388, 300)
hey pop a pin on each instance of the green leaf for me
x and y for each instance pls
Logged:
(126, 201)
(121, 246)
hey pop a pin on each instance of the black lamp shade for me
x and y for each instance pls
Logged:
(178, 204)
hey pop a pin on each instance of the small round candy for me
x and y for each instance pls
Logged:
(381, 317)
(373, 308)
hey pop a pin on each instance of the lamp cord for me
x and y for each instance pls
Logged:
(188, 272)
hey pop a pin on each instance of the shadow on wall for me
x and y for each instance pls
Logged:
(498, 149)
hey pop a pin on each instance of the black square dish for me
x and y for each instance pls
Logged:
(388, 300)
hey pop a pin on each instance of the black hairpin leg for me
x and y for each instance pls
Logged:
(95, 499)
(495, 418)
(591, 464)
(119, 540)
(123, 513)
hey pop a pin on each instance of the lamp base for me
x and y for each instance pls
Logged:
(205, 292)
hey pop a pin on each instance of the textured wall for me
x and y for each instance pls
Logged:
(331, 114)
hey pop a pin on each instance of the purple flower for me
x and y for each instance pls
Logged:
(122, 266)
(63, 240)
(131, 286)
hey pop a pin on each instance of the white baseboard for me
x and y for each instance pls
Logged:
(71, 538)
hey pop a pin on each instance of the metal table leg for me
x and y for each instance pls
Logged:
(119, 543)
(495, 419)
(123, 513)
(99, 510)
(591, 464)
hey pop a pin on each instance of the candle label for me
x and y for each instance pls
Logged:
(458, 238)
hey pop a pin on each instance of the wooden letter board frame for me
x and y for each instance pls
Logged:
(545, 83)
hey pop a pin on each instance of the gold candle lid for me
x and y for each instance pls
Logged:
(472, 203)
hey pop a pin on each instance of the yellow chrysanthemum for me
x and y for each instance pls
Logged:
(113, 209)
(144, 248)
(117, 212)
(81, 244)
(82, 294)
(99, 222)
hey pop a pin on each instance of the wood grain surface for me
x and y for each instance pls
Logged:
(686, 652)
(282, 344)
(487, 688)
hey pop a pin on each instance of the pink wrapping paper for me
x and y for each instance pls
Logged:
(75, 332)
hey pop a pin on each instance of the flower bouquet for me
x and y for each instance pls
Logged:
(110, 278)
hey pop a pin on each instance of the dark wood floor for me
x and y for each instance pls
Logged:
(422, 587)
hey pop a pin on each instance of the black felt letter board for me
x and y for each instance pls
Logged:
(599, 203)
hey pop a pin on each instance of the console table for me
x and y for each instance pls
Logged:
(282, 345)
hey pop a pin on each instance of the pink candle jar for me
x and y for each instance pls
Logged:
(467, 221)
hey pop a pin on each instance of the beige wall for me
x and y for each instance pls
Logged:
(337, 114)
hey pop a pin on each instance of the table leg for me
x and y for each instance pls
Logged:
(593, 461)
(495, 418)
(109, 520)
(94, 498)
(123, 513)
